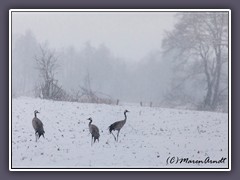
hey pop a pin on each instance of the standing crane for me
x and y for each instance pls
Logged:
(118, 126)
(94, 131)
(38, 126)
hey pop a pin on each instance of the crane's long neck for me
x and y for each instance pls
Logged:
(125, 116)
(35, 114)
(90, 123)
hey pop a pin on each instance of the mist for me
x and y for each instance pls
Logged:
(125, 80)
(119, 51)
(128, 35)
(119, 55)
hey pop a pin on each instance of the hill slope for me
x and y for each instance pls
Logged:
(149, 137)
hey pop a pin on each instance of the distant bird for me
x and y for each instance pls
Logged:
(38, 126)
(94, 131)
(118, 126)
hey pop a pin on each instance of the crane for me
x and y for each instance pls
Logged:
(38, 126)
(94, 131)
(118, 126)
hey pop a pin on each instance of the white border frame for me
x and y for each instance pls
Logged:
(117, 10)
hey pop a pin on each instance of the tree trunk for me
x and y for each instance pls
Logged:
(218, 73)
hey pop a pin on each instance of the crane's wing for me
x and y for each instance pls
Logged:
(37, 124)
(95, 130)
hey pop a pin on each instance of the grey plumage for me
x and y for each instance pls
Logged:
(118, 126)
(94, 131)
(38, 126)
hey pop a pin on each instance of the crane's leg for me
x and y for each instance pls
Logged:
(114, 136)
(91, 141)
(118, 135)
(36, 135)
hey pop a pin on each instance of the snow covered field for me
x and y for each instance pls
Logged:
(149, 137)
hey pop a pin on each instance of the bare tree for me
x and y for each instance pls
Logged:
(91, 96)
(87, 90)
(200, 43)
(47, 66)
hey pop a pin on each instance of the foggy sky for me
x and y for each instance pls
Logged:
(120, 52)
(125, 62)
(129, 35)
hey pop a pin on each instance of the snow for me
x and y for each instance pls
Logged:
(150, 136)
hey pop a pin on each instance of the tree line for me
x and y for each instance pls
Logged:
(190, 70)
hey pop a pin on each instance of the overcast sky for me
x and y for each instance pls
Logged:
(129, 35)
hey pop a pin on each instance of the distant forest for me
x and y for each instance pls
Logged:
(190, 69)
